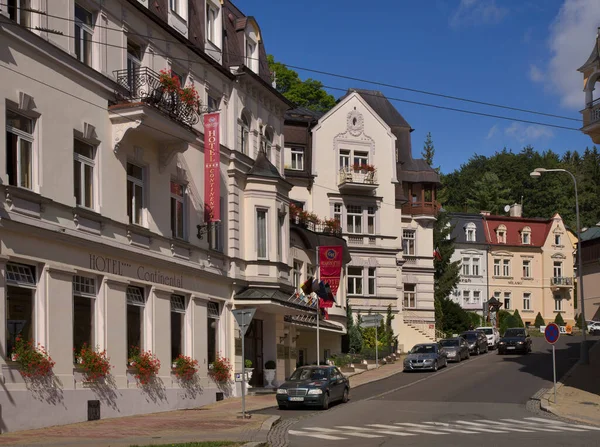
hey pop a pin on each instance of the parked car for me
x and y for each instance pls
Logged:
(477, 341)
(492, 334)
(426, 356)
(515, 340)
(314, 386)
(456, 348)
(594, 328)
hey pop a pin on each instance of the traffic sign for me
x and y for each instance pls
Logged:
(244, 318)
(552, 333)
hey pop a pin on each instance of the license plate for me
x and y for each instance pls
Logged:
(511, 347)
(296, 399)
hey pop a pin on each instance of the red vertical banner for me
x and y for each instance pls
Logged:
(212, 168)
(330, 265)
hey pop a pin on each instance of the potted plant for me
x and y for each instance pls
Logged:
(270, 369)
(169, 82)
(95, 363)
(331, 226)
(248, 368)
(145, 364)
(185, 367)
(220, 370)
(34, 361)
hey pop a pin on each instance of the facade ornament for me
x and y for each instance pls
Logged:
(120, 130)
(355, 123)
(166, 154)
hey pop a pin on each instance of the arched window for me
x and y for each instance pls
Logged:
(501, 234)
(267, 142)
(470, 232)
(244, 134)
(526, 236)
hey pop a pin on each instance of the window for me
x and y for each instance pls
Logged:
(211, 22)
(297, 274)
(371, 212)
(135, 193)
(466, 267)
(507, 300)
(136, 302)
(84, 304)
(475, 266)
(261, 233)
(360, 158)
(408, 242)
(350, 158)
(84, 29)
(178, 210)
(337, 212)
(214, 103)
(410, 296)
(244, 132)
(526, 236)
(177, 7)
(354, 219)
(134, 62)
(251, 59)
(496, 267)
(266, 142)
(497, 295)
(355, 279)
(557, 303)
(19, 149)
(212, 313)
(470, 232)
(476, 296)
(177, 325)
(20, 304)
(506, 267)
(557, 269)
(466, 297)
(527, 301)
(372, 275)
(297, 158)
(557, 239)
(83, 173)
(280, 233)
(17, 11)
(344, 159)
(526, 268)
(215, 233)
(501, 234)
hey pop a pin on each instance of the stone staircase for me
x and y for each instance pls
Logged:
(366, 365)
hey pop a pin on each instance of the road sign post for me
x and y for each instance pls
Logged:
(373, 321)
(552, 334)
(243, 318)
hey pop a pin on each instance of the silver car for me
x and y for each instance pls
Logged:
(457, 349)
(426, 356)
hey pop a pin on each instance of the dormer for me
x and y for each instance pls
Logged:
(213, 29)
(178, 16)
(470, 232)
(526, 236)
(252, 41)
(501, 234)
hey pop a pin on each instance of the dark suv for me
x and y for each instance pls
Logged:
(476, 340)
(515, 340)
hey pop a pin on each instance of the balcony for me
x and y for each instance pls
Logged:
(560, 282)
(328, 227)
(591, 120)
(421, 210)
(357, 178)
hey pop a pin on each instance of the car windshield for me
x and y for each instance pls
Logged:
(470, 336)
(423, 349)
(449, 343)
(514, 333)
(487, 330)
(309, 374)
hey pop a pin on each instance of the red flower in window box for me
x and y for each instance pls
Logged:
(220, 370)
(34, 361)
(185, 367)
(95, 364)
(145, 364)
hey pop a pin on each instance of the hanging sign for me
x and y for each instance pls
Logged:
(330, 266)
(212, 168)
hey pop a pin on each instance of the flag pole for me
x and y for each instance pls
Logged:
(318, 308)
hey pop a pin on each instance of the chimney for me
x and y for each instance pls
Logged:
(516, 210)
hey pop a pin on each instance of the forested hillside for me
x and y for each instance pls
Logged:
(490, 183)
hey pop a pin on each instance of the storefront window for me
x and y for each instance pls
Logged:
(136, 302)
(177, 325)
(84, 300)
(21, 283)
(213, 326)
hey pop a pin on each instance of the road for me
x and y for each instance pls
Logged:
(482, 400)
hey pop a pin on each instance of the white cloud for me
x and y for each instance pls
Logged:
(527, 133)
(571, 40)
(492, 132)
(535, 74)
(477, 12)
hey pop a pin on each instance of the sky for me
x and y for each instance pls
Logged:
(517, 53)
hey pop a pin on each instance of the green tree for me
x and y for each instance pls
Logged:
(539, 321)
(356, 340)
(489, 194)
(475, 319)
(446, 273)
(518, 319)
(390, 338)
(455, 319)
(428, 150)
(559, 320)
(309, 93)
(580, 323)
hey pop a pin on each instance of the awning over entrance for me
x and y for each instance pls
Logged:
(275, 300)
(311, 321)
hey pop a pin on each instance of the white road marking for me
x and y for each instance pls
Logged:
(418, 428)
(560, 424)
(377, 430)
(450, 428)
(480, 427)
(506, 426)
(399, 433)
(536, 426)
(342, 433)
(316, 435)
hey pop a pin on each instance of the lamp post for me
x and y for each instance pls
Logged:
(583, 356)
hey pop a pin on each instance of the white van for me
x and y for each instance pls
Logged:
(492, 334)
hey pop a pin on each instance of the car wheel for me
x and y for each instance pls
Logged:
(477, 351)
(325, 401)
(459, 358)
(468, 355)
(435, 366)
(346, 396)
(282, 407)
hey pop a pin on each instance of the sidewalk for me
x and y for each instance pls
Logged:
(578, 392)
(217, 422)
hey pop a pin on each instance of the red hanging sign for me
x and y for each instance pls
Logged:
(330, 265)
(212, 168)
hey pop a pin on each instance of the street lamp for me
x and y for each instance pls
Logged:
(583, 356)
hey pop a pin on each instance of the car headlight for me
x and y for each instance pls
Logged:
(520, 343)
(501, 342)
(281, 391)
(315, 391)
(428, 360)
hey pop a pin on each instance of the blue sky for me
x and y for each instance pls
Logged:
(512, 52)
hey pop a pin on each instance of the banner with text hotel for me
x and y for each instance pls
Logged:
(212, 168)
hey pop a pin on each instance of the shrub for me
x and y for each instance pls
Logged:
(145, 364)
(220, 370)
(539, 321)
(580, 323)
(34, 361)
(95, 364)
(559, 320)
(248, 363)
(270, 365)
(518, 319)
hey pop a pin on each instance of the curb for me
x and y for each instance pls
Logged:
(260, 438)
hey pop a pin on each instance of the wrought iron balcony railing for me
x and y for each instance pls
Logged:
(327, 228)
(561, 281)
(144, 86)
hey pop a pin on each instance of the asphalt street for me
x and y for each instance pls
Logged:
(482, 400)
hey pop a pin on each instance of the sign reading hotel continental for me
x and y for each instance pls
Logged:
(117, 267)
(212, 168)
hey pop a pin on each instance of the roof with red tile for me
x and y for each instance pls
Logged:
(514, 227)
